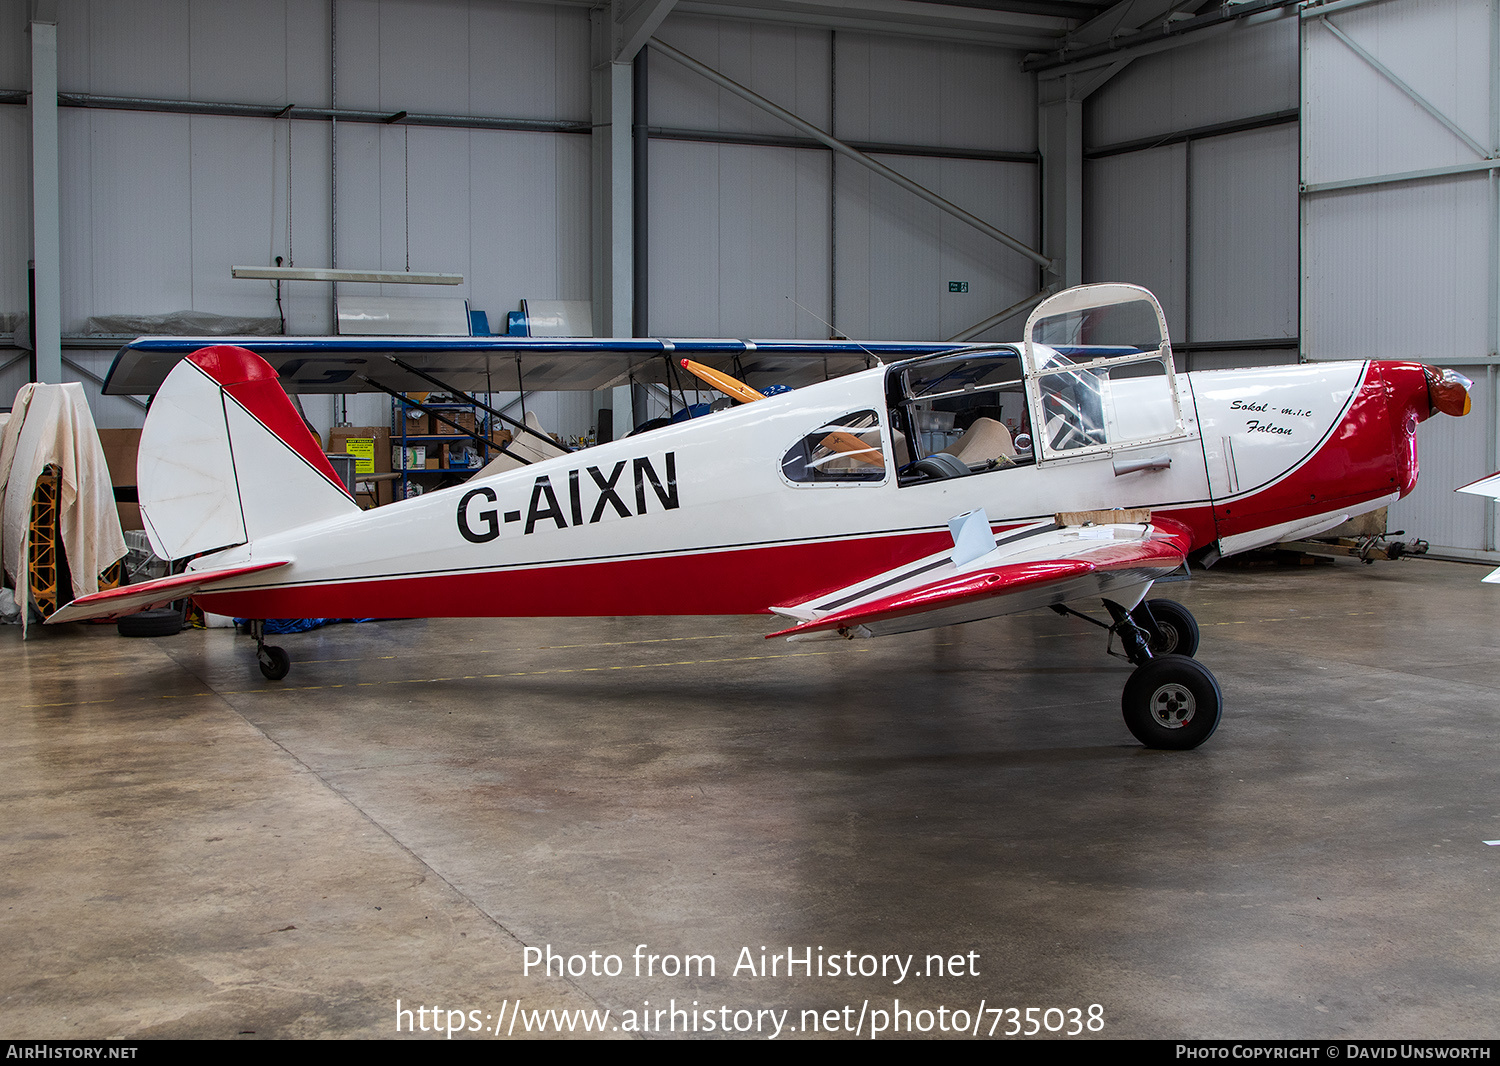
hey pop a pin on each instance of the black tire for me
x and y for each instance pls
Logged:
(1172, 702)
(1171, 626)
(160, 622)
(275, 663)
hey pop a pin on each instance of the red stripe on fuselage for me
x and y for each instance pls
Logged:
(739, 581)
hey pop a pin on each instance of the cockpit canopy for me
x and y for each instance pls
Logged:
(1099, 371)
(1094, 373)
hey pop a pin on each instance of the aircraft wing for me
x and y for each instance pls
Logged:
(1043, 563)
(112, 603)
(506, 364)
(1485, 486)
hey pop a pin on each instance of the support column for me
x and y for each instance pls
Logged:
(613, 200)
(46, 241)
(1060, 141)
(1060, 98)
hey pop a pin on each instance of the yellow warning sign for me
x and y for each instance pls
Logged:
(363, 450)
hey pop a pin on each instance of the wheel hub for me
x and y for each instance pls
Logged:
(1172, 706)
(1166, 639)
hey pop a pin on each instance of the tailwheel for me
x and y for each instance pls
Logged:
(1172, 702)
(275, 663)
(1170, 627)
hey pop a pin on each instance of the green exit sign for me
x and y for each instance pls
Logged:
(958, 286)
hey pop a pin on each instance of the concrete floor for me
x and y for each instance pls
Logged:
(192, 851)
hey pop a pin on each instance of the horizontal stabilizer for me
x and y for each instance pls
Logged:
(148, 594)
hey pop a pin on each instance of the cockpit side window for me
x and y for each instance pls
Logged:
(960, 415)
(842, 450)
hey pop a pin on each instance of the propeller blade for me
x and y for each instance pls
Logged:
(723, 382)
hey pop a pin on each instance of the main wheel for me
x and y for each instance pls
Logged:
(1171, 626)
(1172, 702)
(274, 662)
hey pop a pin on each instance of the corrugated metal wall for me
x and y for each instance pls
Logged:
(157, 206)
(15, 228)
(741, 234)
(1407, 268)
(1249, 71)
(15, 203)
(896, 254)
(1182, 198)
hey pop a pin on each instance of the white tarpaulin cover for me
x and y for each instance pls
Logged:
(52, 424)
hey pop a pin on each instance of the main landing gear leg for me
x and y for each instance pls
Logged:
(1171, 701)
(274, 662)
(1135, 639)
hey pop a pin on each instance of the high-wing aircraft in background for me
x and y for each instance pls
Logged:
(1490, 487)
(1072, 467)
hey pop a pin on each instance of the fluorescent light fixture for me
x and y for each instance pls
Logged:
(384, 277)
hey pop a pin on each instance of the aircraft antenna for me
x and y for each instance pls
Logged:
(833, 333)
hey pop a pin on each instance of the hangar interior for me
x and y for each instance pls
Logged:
(193, 854)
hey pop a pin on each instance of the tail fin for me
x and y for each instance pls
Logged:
(226, 459)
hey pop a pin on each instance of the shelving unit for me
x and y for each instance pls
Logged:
(405, 440)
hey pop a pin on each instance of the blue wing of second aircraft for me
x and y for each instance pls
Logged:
(505, 364)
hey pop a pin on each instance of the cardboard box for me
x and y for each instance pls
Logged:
(415, 457)
(120, 447)
(370, 493)
(467, 420)
(417, 422)
(370, 446)
(375, 490)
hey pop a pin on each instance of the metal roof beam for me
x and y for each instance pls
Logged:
(633, 26)
(1063, 60)
(1130, 16)
(1006, 29)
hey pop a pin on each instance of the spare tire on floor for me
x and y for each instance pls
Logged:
(161, 622)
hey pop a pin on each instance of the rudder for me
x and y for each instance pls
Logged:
(225, 458)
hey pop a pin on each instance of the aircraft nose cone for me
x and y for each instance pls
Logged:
(1449, 391)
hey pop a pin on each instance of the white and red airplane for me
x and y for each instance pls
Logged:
(1073, 467)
